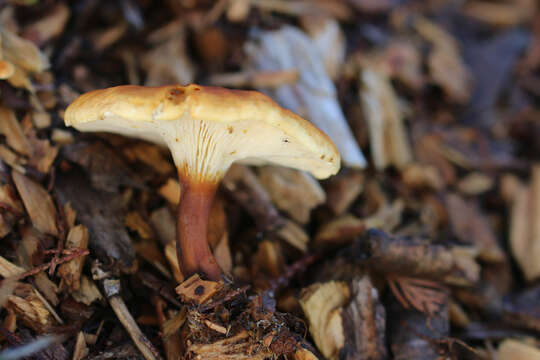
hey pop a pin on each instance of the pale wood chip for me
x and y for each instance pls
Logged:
(515, 350)
(8, 269)
(294, 235)
(38, 204)
(88, 292)
(49, 26)
(340, 231)
(12, 130)
(171, 191)
(30, 309)
(172, 258)
(237, 347)
(524, 224)
(196, 290)
(293, 191)
(80, 350)
(322, 304)
(71, 271)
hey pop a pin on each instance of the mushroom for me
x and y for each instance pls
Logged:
(206, 130)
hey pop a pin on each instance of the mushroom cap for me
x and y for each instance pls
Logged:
(207, 128)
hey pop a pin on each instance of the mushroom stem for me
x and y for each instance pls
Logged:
(194, 254)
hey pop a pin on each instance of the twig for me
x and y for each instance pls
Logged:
(143, 344)
(61, 226)
(49, 307)
(43, 267)
(292, 270)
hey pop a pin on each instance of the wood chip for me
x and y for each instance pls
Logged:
(314, 95)
(475, 183)
(339, 231)
(62, 137)
(22, 53)
(255, 79)
(293, 191)
(12, 130)
(48, 26)
(135, 222)
(385, 118)
(330, 41)
(342, 190)
(471, 226)
(237, 347)
(294, 235)
(8, 269)
(80, 350)
(38, 204)
(446, 66)
(364, 322)
(71, 271)
(515, 350)
(524, 226)
(172, 258)
(88, 291)
(195, 290)
(322, 304)
(269, 258)
(169, 62)
(30, 310)
(244, 186)
(171, 191)
(151, 155)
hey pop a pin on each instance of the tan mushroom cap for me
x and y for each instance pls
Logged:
(208, 128)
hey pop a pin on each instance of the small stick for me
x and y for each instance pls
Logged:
(49, 307)
(60, 224)
(38, 269)
(143, 344)
(292, 271)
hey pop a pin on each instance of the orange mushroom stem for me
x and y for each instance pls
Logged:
(194, 254)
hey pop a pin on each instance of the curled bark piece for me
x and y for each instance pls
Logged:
(415, 257)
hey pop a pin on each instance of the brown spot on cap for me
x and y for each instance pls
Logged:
(175, 95)
(230, 129)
